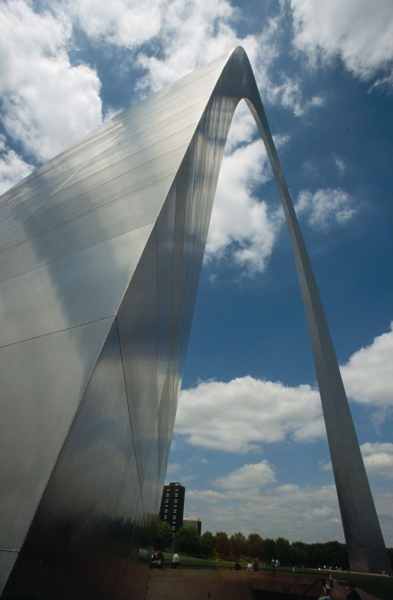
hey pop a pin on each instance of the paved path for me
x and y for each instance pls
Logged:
(198, 584)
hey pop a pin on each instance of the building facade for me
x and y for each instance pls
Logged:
(172, 505)
(100, 254)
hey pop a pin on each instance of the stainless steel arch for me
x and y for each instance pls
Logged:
(100, 253)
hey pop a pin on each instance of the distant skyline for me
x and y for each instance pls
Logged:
(250, 444)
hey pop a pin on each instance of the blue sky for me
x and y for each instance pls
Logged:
(250, 443)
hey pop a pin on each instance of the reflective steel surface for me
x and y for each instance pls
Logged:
(100, 254)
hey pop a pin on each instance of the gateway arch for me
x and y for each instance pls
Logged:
(100, 255)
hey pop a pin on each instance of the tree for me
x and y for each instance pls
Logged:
(187, 541)
(207, 544)
(238, 545)
(223, 546)
(255, 545)
(152, 532)
(163, 535)
(268, 550)
(283, 551)
(299, 554)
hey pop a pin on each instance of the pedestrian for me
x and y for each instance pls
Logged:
(175, 560)
(327, 586)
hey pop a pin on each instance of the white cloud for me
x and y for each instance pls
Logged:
(126, 23)
(357, 31)
(382, 82)
(326, 207)
(242, 414)
(378, 458)
(243, 228)
(308, 513)
(248, 477)
(368, 374)
(172, 37)
(186, 29)
(241, 224)
(277, 86)
(47, 103)
(176, 31)
(289, 94)
(243, 128)
(12, 167)
(340, 164)
(254, 504)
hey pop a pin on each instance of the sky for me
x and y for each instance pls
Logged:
(250, 443)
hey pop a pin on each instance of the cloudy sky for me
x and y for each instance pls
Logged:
(250, 443)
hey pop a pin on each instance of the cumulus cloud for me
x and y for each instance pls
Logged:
(167, 37)
(251, 500)
(126, 23)
(241, 223)
(378, 458)
(243, 228)
(188, 27)
(289, 94)
(47, 103)
(309, 513)
(368, 374)
(355, 31)
(170, 38)
(243, 128)
(326, 207)
(241, 414)
(12, 167)
(248, 477)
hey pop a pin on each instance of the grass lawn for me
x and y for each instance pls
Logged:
(201, 563)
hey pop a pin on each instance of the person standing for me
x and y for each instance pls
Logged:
(175, 560)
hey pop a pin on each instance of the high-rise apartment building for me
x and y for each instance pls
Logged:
(172, 505)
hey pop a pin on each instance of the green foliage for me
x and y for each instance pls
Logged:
(238, 545)
(187, 540)
(207, 545)
(255, 546)
(269, 550)
(223, 546)
(152, 533)
(283, 551)
(163, 535)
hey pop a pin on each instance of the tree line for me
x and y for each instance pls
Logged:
(238, 546)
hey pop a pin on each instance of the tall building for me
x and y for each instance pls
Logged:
(100, 255)
(172, 505)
